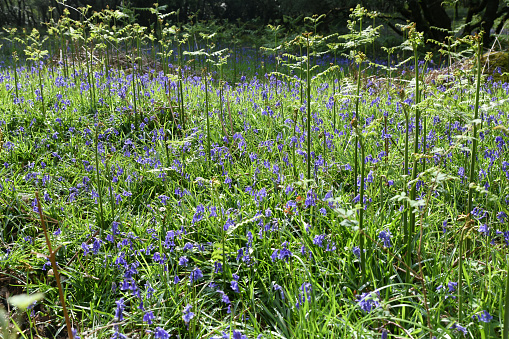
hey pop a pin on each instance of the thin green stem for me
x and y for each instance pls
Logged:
(99, 191)
(473, 153)
(308, 122)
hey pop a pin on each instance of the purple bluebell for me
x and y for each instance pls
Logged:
(238, 335)
(484, 317)
(183, 261)
(160, 333)
(459, 328)
(356, 251)
(235, 286)
(195, 275)
(148, 317)
(120, 309)
(501, 216)
(368, 301)
(188, 315)
(218, 267)
(484, 229)
(229, 223)
(280, 289)
(224, 297)
(385, 236)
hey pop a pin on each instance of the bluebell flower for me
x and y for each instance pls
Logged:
(195, 275)
(148, 317)
(386, 237)
(120, 309)
(484, 317)
(188, 315)
(46, 264)
(368, 301)
(183, 261)
(160, 333)
(224, 297)
(356, 251)
(213, 212)
(235, 286)
(305, 289)
(459, 328)
(461, 172)
(117, 334)
(168, 240)
(96, 245)
(164, 199)
(484, 229)
(274, 255)
(150, 290)
(249, 237)
(229, 223)
(218, 267)
(223, 336)
(479, 213)
(86, 249)
(34, 206)
(501, 216)
(310, 199)
(452, 286)
(284, 253)
(318, 240)
(198, 215)
(238, 335)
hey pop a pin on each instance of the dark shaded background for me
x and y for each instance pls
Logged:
(491, 15)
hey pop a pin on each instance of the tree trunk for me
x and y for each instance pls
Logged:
(428, 14)
(488, 19)
(44, 13)
(436, 16)
(19, 14)
(473, 9)
(22, 11)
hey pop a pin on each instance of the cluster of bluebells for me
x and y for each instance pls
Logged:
(451, 288)
(368, 301)
(128, 161)
(385, 236)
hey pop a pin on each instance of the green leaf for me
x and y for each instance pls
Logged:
(22, 301)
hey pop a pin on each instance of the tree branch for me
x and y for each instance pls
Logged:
(394, 28)
(472, 10)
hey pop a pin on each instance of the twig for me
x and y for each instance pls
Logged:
(55, 268)
(87, 242)
(418, 277)
(104, 327)
(400, 327)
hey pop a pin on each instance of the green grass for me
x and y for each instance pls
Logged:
(287, 244)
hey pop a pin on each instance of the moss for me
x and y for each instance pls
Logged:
(496, 64)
